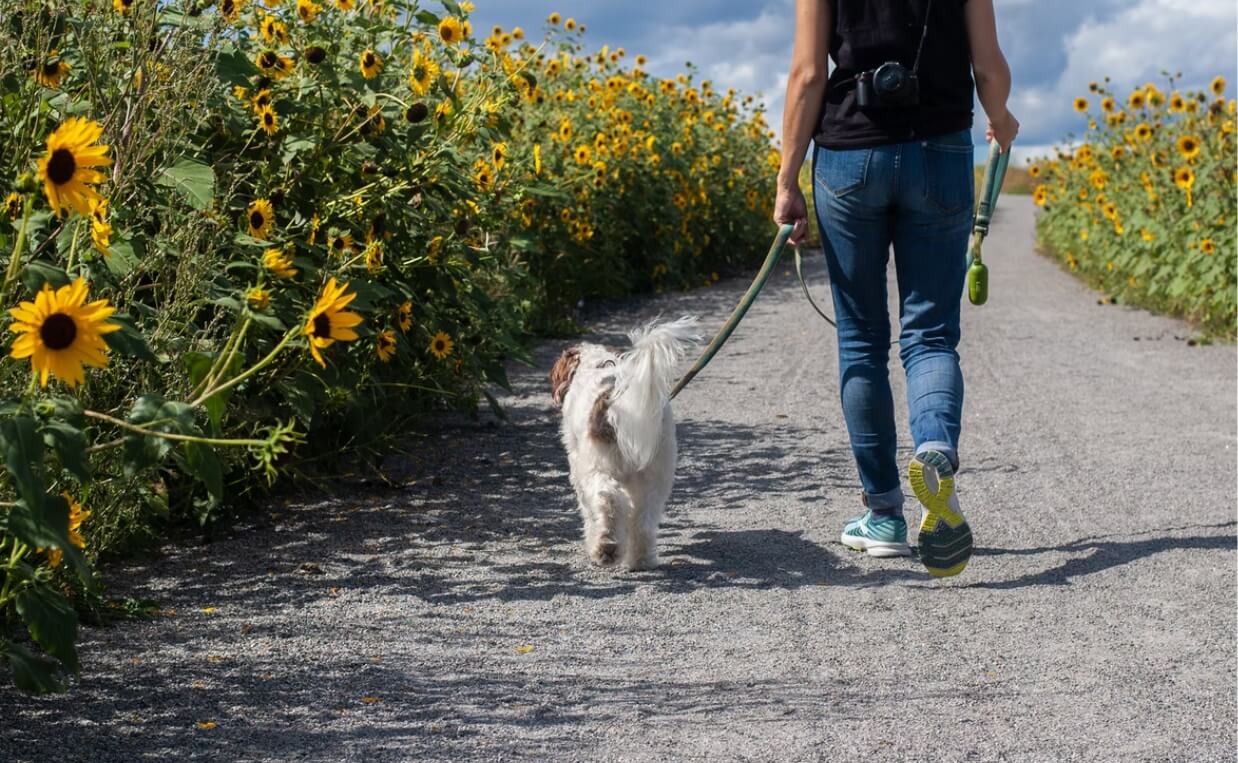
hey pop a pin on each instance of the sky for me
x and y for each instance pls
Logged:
(1055, 47)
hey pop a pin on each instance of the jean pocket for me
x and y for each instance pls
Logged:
(841, 172)
(949, 174)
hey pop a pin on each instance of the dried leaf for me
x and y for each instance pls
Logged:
(206, 725)
(524, 649)
(209, 610)
(369, 700)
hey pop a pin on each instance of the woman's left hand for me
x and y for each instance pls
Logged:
(790, 207)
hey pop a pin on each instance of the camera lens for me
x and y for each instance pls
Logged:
(890, 78)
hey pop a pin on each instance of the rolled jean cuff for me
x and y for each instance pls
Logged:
(941, 447)
(890, 499)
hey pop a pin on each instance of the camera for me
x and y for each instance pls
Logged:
(889, 86)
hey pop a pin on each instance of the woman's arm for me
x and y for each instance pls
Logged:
(802, 108)
(991, 71)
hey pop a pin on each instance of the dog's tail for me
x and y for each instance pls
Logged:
(643, 386)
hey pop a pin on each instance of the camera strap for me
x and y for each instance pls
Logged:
(928, 10)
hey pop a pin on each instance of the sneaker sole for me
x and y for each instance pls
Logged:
(875, 548)
(945, 538)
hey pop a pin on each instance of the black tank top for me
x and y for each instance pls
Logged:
(866, 34)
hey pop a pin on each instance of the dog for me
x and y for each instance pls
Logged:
(619, 434)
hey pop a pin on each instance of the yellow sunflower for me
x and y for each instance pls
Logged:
(1034, 171)
(537, 159)
(370, 64)
(273, 30)
(60, 332)
(328, 322)
(1176, 102)
(231, 9)
(374, 256)
(1143, 131)
(1107, 104)
(69, 166)
(100, 228)
(1206, 246)
(1218, 86)
(52, 71)
(123, 6)
(570, 24)
(483, 177)
(583, 154)
(1136, 100)
(258, 298)
(404, 315)
(384, 345)
(261, 100)
(1040, 196)
(260, 216)
(77, 515)
(1188, 146)
(339, 245)
(449, 30)
(268, 120)
(308, 10)
(441, 345)
(553, 19)
(346, 5)
(498, 155)
(273, 64)
(279, 262)
(13, 205)
(422, 73)
(565, 130)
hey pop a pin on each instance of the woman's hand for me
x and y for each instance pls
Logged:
(790, 207)
(1003, 130)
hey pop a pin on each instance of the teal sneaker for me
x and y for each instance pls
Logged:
(945, 543)
(878, 535)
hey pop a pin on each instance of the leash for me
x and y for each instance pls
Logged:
(977, 272)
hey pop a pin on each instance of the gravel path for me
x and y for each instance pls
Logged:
(453, 616)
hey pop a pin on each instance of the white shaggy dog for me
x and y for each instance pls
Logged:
(620, 437)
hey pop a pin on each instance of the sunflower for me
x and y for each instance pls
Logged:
(123, 6)
(404, 315)
(77, 515)
(1136, 100)
(261, 100)
(230, 9)
(328, 322)
(553, 19)
(346, 5)
(384, 345)
(582, 154)
(1188, 146)
(268, 120)
(13, 205)
(100, 228)
(565, 130)
(1218, 86)
(1040, 196)
(51, 72)
(273, 64)
(370, 64)
(449, 30)
(60, 332)
(483, 177)
(374, 257)
(339, 245)
(273, 30)
(1143, 131)
(260, 216)
(68, 168)
(258, 298)
(1176, 102)
(570, 24)
(308, 10)
(1206, 246)
(279, 262)
(537, 158)
(441, 345)
(422, 73)
(1034, 171)
(1107, 104)
(1111, 210)
(378, 228)
(498, 155)
(1184, 178)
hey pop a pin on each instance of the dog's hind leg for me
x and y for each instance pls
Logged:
(648, 500)
(605, 507)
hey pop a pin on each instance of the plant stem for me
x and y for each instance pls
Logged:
(172, 435)
(18, 246)
(292, 332)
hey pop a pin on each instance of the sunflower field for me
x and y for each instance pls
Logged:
(1144, 206)
(248, 241)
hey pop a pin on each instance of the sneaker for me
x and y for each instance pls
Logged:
(945, 538)
(878, 535)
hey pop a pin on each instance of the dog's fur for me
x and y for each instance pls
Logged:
(620, 437)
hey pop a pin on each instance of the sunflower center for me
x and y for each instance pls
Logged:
(51, 68)
(61, 166)
(268, 59)
(58, 331)
(322, 326)
(256, 220)
(369, 60)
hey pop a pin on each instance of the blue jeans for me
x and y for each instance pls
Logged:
(918, 197)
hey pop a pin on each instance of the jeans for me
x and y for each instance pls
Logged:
(918, 197)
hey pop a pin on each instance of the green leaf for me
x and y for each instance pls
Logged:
(495, 406)
(194, 180)
(199, 364)
(52, 623)
(202, 462)
(295, 146)
(234, 67)
(124, 256)
(426, 17)
(36, 273)
(23, 455)
(31, 673)
(69, 443)
(128, 341)
(154, 413)
(452, 8)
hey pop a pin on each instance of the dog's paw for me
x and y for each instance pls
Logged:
(605, 553)
(647, 562)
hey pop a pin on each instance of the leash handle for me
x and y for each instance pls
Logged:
(771, 259)
(994, 175)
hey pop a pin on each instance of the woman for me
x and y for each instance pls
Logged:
(893, 165)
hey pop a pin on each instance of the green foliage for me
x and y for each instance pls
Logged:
(320, 224)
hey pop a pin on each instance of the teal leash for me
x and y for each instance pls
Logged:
(977, 273)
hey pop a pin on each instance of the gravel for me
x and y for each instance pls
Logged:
(451, 615)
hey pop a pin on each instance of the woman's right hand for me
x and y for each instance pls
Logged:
(791, 207)
(1003, 130)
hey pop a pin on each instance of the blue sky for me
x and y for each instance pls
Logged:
(1055, 47)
